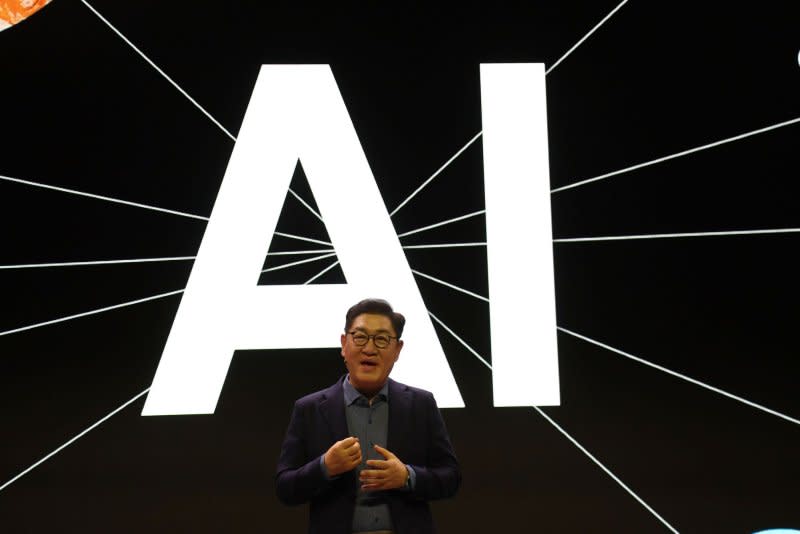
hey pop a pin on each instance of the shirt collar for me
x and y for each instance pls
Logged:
(351, 394)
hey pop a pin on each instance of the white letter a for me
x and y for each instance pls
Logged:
(296, 112)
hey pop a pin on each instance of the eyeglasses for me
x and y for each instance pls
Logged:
(381, 340)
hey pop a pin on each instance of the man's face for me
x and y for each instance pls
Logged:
(368, 365)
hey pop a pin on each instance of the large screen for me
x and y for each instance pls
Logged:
(586, 209)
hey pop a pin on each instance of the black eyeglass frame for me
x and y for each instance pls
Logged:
(374, 338)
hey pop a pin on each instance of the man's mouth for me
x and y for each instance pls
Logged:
(369, 363)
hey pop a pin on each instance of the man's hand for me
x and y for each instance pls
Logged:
(386, 474)
(343, 456)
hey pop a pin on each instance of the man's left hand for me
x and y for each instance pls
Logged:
(386, 474)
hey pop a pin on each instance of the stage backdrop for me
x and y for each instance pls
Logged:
(673, 136)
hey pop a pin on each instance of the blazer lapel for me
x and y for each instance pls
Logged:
(400, 430)
(332, 409)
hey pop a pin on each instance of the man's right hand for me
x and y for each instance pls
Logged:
(343, 456)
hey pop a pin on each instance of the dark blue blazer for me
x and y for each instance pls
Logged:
(416, 435)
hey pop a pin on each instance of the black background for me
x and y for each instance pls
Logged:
(80, 109)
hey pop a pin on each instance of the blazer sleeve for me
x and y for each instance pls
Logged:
(299, 478)
(440, 477)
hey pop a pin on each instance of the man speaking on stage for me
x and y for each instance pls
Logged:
(368, 453)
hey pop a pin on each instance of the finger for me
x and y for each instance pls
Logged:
(348, 442)
(385, 452)
(353, 446)
(371, 474)
(378, 464)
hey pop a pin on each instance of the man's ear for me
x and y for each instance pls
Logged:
(344, 341)
(399, 347)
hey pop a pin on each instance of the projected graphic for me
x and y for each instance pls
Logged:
(15, 11)
(296, 111)
(664, 247)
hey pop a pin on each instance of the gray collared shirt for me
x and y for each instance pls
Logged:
(369, 422)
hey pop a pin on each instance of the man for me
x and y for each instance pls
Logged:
(368, 453)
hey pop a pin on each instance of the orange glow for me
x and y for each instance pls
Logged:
(14, 11)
